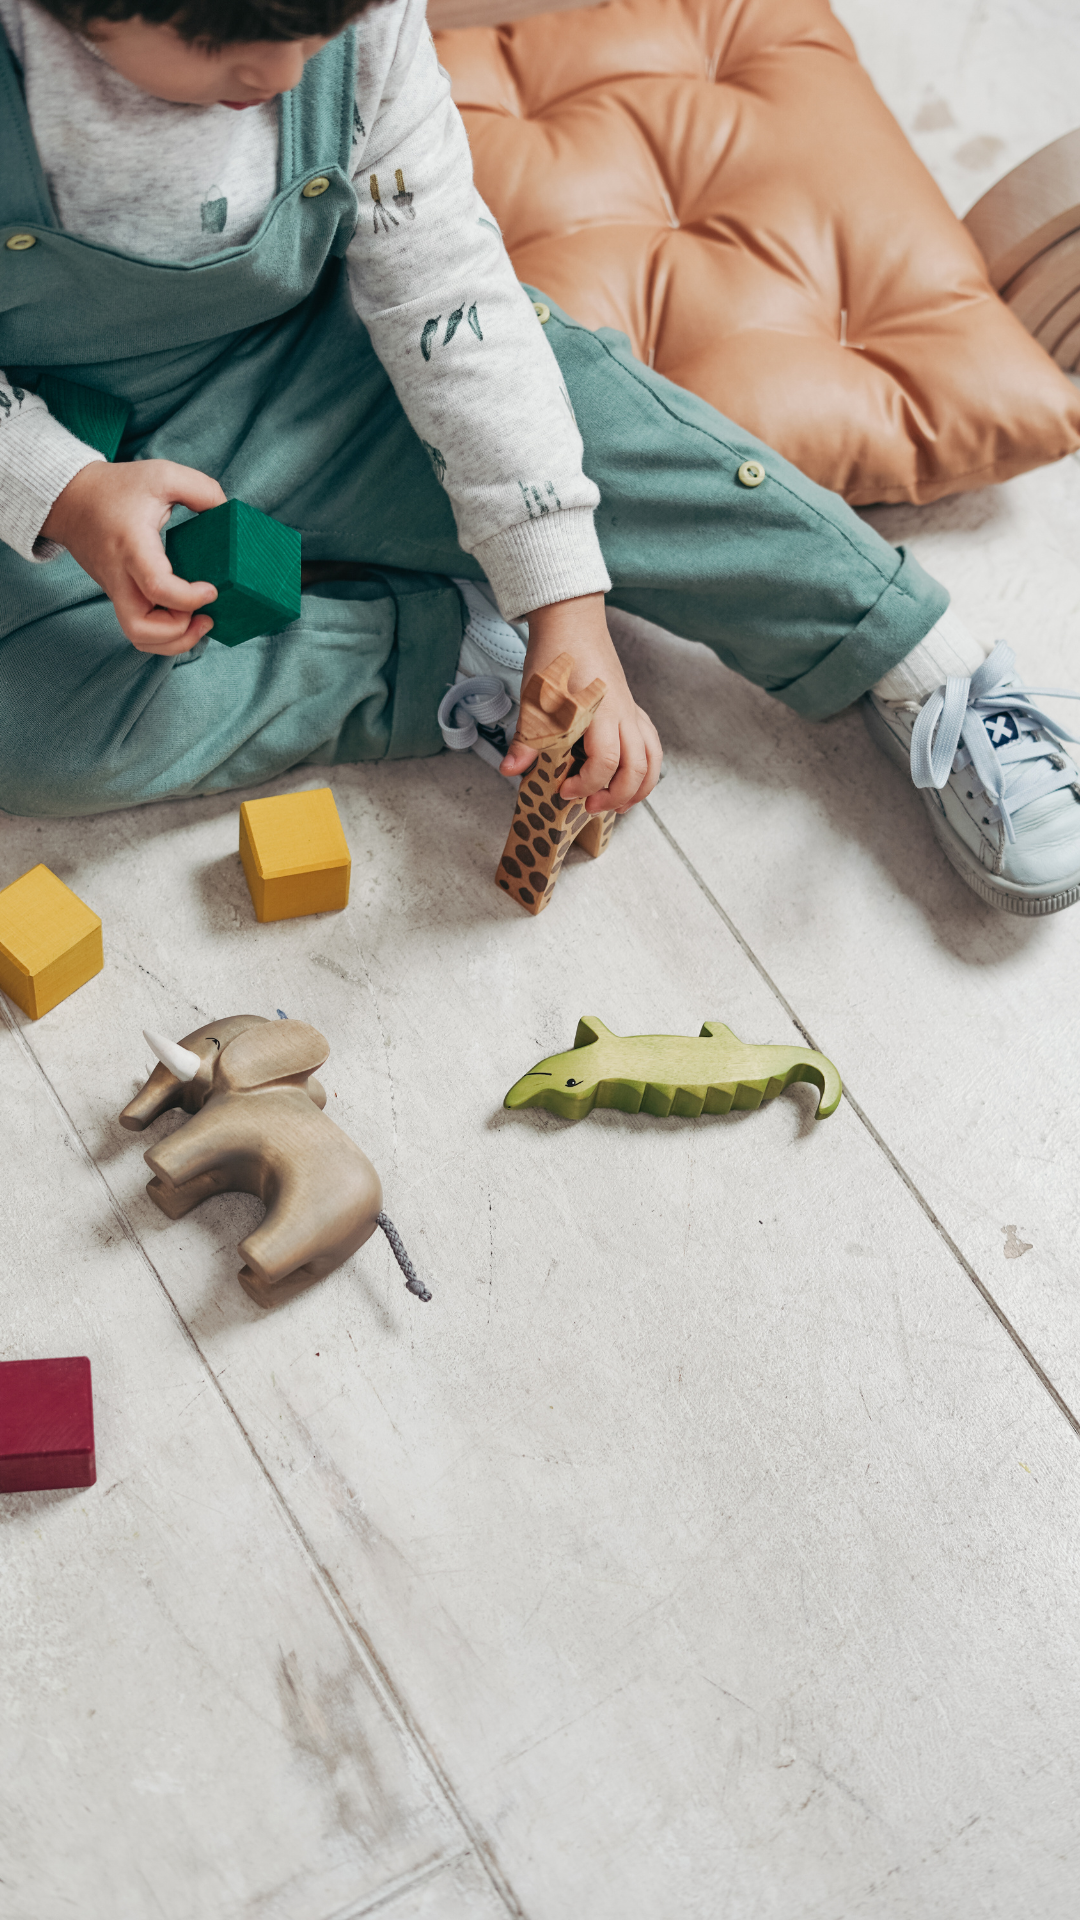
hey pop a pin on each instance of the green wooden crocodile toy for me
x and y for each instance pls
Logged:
(666, 1073)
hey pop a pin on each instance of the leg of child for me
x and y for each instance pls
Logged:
(712, 535)
(715, 537)
(88, 724)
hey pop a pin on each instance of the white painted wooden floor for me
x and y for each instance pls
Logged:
(706, 1550)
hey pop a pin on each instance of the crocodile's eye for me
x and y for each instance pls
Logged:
(573, 1083)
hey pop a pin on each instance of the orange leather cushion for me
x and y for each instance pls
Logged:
(719, 180)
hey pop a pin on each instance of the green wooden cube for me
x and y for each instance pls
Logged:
(96, 418)
(252, 560)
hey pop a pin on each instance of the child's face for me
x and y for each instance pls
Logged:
(156, 59)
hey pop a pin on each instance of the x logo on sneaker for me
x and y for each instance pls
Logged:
(1001, 727)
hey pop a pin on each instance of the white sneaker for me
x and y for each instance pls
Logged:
(481, 709)
(1002, 794)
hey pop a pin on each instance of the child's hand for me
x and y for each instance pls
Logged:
(623, 746)
(110, 520)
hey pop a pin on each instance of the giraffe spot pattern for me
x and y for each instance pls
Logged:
(543, 844)
(540, 845)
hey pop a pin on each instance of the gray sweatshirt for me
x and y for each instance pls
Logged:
(167, 182)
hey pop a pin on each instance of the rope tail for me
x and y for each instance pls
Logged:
(397, 1248)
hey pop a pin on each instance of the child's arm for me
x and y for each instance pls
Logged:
(56, 492)
(37, 459)
(471, 364)
(110, 520)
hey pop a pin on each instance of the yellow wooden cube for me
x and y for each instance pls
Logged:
(295, 855)
(50, 942)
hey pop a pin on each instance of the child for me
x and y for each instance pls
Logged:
(254, 221)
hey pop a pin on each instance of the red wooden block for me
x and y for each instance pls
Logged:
(46, 1425)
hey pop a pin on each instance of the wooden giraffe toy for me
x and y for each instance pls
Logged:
(545, 826)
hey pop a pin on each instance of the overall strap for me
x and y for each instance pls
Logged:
(317, 116)
(24, 192)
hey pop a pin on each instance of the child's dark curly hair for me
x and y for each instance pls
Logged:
(217, 23)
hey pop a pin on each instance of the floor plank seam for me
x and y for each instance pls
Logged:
(864, 1119)
(383, 1688)
(405, 1883)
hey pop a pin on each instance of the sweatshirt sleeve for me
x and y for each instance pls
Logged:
(461, 341)
(37, 459)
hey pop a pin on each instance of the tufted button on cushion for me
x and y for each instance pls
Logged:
(718, 180)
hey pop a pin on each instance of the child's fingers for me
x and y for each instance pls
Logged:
(603, 755)
(185, 487)
(148, 625)
(196, 628)
(154, 578)
(631, 776)
(622, 764)
(161, 632)
(517, 759)
(654, 757)
(638, 757)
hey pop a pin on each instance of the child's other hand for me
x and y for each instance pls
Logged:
(110, 520)
(622, 745)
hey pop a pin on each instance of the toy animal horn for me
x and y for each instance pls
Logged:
(185, 1065)
(258, 1127)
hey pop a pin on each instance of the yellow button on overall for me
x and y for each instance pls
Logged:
(19, 242)
(315, 187)
(750, 474)
(542, 313)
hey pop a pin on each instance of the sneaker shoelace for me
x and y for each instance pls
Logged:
(473, 707)
(1002, 735)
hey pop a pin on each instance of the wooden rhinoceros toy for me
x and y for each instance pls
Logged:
(259, 1128)
(666, 1073)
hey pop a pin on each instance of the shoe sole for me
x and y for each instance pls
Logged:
(1008, 895)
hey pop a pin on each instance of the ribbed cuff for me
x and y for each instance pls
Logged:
(37, 459)
(554, 557)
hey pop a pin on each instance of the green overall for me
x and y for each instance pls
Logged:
(253, 367)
